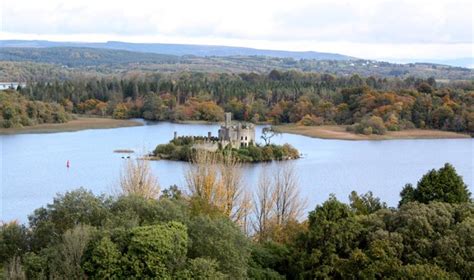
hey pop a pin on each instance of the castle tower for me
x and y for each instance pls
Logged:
(228, 119)
(237, 135)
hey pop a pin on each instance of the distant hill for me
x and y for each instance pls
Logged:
(26, 63)
(81, 56)
(466, 62)
(177, 49)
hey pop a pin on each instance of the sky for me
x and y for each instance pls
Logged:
(372, 29)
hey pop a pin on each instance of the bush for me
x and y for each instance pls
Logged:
(370, 125)
(164, 149)
(310, 120)
(367, 130)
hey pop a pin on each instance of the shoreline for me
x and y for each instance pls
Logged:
(334, 132)
(80, 123)
(193, 122)
(338, 132)
(212, 122)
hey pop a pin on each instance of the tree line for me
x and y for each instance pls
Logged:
(215, 228)
(17, 111)
(366, 105)
(65, 61)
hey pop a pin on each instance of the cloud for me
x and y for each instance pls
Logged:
(296, 23)
(381, 22)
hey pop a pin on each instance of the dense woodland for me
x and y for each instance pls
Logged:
(79, 57)
(193, 234)
(18, 111)
(85, 60)
(367, 105)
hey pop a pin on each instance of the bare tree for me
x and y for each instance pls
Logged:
(288, 205)
(202, 176)
(218, 181)
(138, 179)
(245, 209)
(230, 170)
(14, 269)
(268, 133)
(71, 250)
(264, 200)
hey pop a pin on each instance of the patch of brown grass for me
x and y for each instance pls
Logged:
(80, 123)
(339, 132)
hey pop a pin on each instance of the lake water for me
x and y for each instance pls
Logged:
(33, 166)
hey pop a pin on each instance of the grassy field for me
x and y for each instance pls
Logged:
(80, 123)
(339, 132)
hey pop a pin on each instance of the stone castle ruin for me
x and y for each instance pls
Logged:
(237, 135)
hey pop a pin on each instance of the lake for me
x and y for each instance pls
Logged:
(33, 166)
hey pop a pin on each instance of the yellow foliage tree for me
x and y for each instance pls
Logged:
(217, 180)
(138, 179)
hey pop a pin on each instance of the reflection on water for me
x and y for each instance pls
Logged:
(33, 166)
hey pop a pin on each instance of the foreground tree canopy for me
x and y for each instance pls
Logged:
(443, 185)
(188, 236)
(368, 105)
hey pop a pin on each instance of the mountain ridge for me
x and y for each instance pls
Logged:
(108, 61)
(179, 49)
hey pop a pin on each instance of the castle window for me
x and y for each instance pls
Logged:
(241, 138)
(245, 137)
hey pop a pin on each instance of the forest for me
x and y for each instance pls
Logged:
(17, 111)
(200, 231)
(90, 59)
(78, 57)
(363, 104)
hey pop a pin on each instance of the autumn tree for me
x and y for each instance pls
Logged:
(277, 202)
(217, 180)
(137, 178)
(264, 200)
(288, 205)
(120, 111)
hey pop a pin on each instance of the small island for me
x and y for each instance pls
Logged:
(236, 139)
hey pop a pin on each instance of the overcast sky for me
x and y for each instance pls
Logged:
(422, 29)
